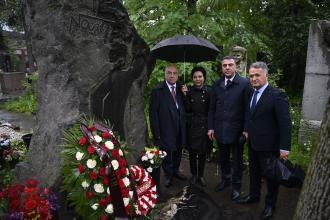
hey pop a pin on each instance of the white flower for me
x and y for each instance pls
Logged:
(97, 138)
(109, 145)
(144, 158)
(98, 188)
(214, 150)
(150, 155)
(152, 161)
(126, 181)
(131, 193)
(108, 191)
(115, 164)
(292, 122)
(127, 171)
(85, 184)
(91, 163)
(120, 152)
(79, 155)
(149, 169)
(95, 206)
(109, 209)
(126, 201)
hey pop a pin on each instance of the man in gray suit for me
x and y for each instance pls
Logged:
(226, 121)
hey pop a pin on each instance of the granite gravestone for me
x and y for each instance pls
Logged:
(90, 60)
(317, 79)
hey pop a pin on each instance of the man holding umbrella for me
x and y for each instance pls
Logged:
(167, 122)
(228, 108)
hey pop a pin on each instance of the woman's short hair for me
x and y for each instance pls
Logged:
(196, 69)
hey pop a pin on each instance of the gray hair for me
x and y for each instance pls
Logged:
(260, 65)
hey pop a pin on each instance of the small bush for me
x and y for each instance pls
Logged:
(28, 102)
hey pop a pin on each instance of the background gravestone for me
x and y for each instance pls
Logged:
(317, 79)
(90, 60)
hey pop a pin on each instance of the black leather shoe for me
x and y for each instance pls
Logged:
(235, 194)
(180, 176)
(193, 180)
(168, 182)
(223, 184)
(202, 181)
(248, 200)
(267, 213)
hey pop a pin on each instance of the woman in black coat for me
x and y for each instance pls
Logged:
(196, 101)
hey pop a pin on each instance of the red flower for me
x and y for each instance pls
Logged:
(109, 198)
(89, 194)
(14, 205)
(93, 175)
(102, 171)
(31, 183)
(81, 168)
(92, 128)
(106, 135)
(104, 217)
(115, 153)
(30, 204)
(1, 195)
(30, 190)
(106, 181)
(103, 202)
(91, 150)
(125, 192)
(121, 184)
(82, 141)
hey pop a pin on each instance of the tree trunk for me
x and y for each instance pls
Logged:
(28, 41)
(314, 201)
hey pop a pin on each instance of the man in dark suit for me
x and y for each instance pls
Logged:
(269, 134)
(167, 122)
(226, 121)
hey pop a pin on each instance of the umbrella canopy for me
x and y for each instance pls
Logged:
(185, 48)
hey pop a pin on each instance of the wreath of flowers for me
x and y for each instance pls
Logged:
(94, 163)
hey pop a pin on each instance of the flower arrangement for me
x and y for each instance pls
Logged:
(10, 152)
(98, 180)
(27, 201)
(152, 158)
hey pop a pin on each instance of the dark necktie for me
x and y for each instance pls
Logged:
(229, 82)
(173, 94)
(254, 100)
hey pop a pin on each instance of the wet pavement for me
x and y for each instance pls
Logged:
(285, 207)
(25, 122)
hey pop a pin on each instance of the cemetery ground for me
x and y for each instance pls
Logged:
(200, 196)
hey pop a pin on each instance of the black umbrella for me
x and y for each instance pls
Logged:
(185, 48)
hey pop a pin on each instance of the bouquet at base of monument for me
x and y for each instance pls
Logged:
(27, 201)
(97, 177)
(152, 158)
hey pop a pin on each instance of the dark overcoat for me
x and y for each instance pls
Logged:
(197, 103)
(167, 122)
(228, 109)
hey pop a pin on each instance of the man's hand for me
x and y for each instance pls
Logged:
(284, 154)
(245, 134)
(184, 89)
(210, 133)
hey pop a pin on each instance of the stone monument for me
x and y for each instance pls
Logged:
(317, 79)
(91, 61)
(240, 53)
